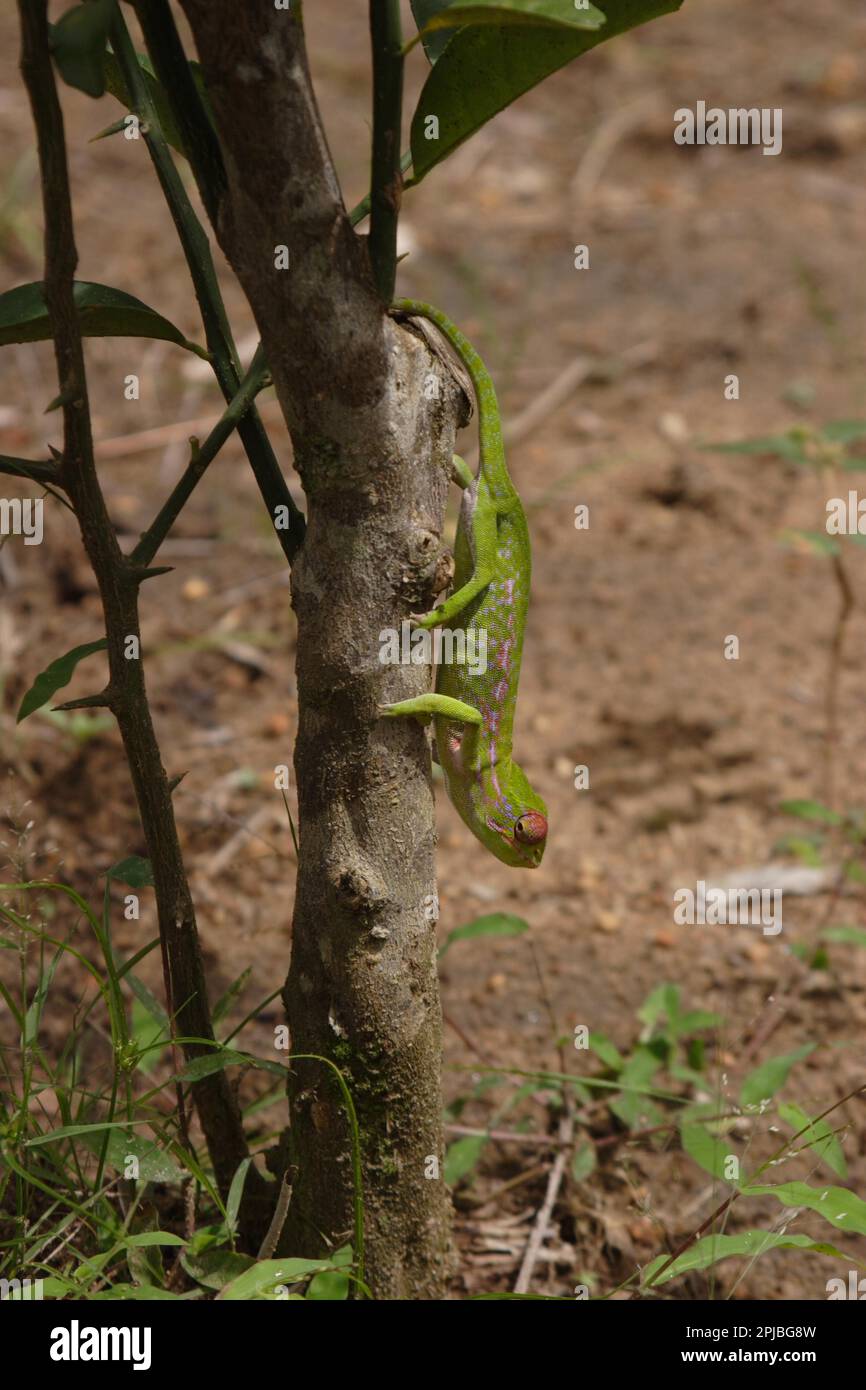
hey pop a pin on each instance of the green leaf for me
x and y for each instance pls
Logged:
(145, 1032)
(146, 1267)
(148, 1001)
(219, 1060)
(662, 1002)
(527, 13)
(434, 40)
(494, 924)
(333, 1284)
(267, 1275)
(711, 1249)
(225, 1002)
(811, 810)
(818, 542)
(633, 1107)
(845, 431)
(484, 67)
(71, 1131)
(710, 1151)
(102, 313)
(839, 1206)
(216, 1268)
(808, 851)
(770, 1077)
(207, 1238)
(55, 676)
(236, 1191)
(78, 42)
(154, 1165)
(142, 1239)
(852, 936)
(697, 1021)
(786, 446)
(583, 1161)
(819, 1136)
(462, 1157)
(606, 1051)
(135, 872)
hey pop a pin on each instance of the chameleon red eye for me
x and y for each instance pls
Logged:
(531, 829)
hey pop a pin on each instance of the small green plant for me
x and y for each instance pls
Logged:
(103, 1193)
(664, 1090)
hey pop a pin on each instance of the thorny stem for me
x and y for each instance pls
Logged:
(196, 249)
(187, 106)
(31, 471)
(362, 209)
(386, 176)
(202, 455)
(119, 581)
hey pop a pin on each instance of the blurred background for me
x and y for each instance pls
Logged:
(703, 262)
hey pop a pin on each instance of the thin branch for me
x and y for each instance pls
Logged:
(159, 528)
(362, 209)
(196, 249)
(197, 133)
(507, 1136)
(542, 1220)
(44, 475)
(386, 175)
(834, 669)
(34, 472)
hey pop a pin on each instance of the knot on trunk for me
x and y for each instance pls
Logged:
(359, 889)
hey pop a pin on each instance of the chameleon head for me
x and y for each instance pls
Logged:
(515, 823)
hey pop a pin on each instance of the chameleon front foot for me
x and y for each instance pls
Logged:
(424, 707)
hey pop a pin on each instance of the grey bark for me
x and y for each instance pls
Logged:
(372, 442)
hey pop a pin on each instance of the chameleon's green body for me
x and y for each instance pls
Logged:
(473, 714)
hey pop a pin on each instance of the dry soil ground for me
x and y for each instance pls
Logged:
(703, 262)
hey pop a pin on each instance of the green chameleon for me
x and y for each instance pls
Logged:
(473, 714)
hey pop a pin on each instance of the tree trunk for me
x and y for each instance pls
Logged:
(372, 413)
